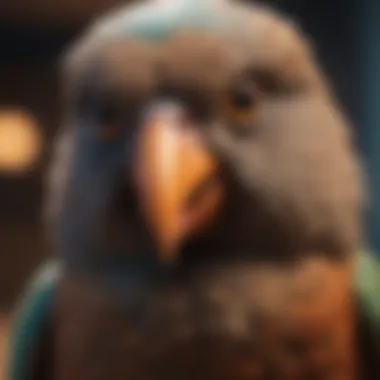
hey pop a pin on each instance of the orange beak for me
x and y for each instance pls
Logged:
(177, 179)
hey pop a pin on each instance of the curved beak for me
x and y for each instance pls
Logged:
(177, 179)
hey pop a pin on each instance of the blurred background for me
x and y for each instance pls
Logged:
(34, 32)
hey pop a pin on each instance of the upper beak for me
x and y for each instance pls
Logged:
(177, 178)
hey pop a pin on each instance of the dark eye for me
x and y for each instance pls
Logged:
(102, 111)
(242, 103)
(243, 96)
(108, 119)
(107, 113)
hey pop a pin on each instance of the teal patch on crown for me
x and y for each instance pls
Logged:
(158, 20)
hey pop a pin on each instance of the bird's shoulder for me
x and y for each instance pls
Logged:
(31, 322)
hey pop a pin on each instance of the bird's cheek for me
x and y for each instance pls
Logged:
(177, 178)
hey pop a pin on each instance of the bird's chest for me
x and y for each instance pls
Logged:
(229, 325)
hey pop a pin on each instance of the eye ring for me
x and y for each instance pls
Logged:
(242, 103)
(243, 96)
(108, 121)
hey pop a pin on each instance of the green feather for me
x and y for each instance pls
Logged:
(368, 286)
(36, 304)
(31, 316)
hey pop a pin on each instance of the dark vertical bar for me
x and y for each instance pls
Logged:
(371, 111)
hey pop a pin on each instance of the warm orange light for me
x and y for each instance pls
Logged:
(20, 141)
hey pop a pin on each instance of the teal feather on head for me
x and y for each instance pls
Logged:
(159, 19)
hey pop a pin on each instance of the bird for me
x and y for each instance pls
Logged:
(205, 206)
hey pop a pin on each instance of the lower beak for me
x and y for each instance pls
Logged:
(177, 179)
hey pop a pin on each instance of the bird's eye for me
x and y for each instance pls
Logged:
(242, 103)
(103, 111)
(243, 96)
(109, 120)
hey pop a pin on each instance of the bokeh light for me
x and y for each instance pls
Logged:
(20, 141)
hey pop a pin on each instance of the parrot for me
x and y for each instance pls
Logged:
(205, 206)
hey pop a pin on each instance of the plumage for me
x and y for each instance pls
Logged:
(206, 200)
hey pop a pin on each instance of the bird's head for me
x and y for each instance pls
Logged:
(202, 124)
